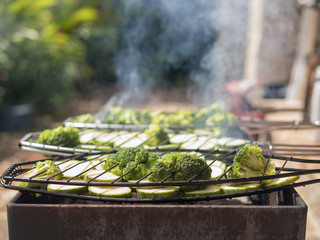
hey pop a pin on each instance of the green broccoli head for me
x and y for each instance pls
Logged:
(66, 136)
(138, 159)
(249, 162)
(145, 116)
(84, 118)
(129, 116)
(42, 170)
(181, 166)
(181, 117)
(159, 117)
(156, 135)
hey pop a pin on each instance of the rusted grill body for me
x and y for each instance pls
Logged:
(280, 215)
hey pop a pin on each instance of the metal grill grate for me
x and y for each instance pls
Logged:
(14, 174)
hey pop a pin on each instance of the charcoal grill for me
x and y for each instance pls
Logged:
(275, 213)
(281, 215)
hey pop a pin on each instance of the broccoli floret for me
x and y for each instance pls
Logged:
(129, 116)
(66, 136)
(159, 117)
(249, 162)
(180, 166)
(112, 115)
(181, 117)
(156, 135)
(42, 170)
(84, 118)
(131, 158)
(145, 116)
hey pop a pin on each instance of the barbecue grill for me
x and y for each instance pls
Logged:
(276, 212)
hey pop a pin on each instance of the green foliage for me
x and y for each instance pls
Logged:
(66, 136)
(42, 170)
(43, 48)
(249, 162)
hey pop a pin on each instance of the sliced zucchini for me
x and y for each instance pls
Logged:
(76, 169)
(74, 189)
(161, 192)
(95, 162)
(63, 165)
(228, 189)
(278, 182)
(208, 191)
(230, 143)
(105, 177)
(116, 192)
(218, 168)
(181, 138)
(134, 142)
(211, 144)
(134, 188)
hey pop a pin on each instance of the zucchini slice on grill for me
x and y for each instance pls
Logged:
(74, 189)
(160, 192)
(105, 177)
(208, 191)
(116, 192)
(227, 189)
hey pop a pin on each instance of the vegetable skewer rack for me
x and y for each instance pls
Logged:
(86, 162)
(95, 141)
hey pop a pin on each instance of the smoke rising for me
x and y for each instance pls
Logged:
(199, 43)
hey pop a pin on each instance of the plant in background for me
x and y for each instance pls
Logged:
(43, 49)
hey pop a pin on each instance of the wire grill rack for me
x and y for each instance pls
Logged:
(14, 174)
(179, 139)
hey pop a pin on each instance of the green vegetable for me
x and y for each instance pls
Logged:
(181, 117)
(161, 192)
(65, 136)
(229, 189)
(156, 135)
(208, 191)
(180, 166)
(42, 170)
(73, 189)
(249, 162)
(76, 168)
(217, 168)
(116, 192)
(137, 161)
(278, 182)
(84, 118)
(105, 177)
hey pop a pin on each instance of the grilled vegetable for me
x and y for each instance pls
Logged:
(156, 135)
(208, 191)
(100, 176)
(73, 189)
(84, 118)
(161, 192)
(278, 182)
(76, 168)
(65, 136)
(249, 162)
(115, 192)
(134, 162)
(180, 166)
(42, 170)
(217, 169)
(229, 189)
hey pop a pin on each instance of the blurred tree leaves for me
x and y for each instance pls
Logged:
(45, 46)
